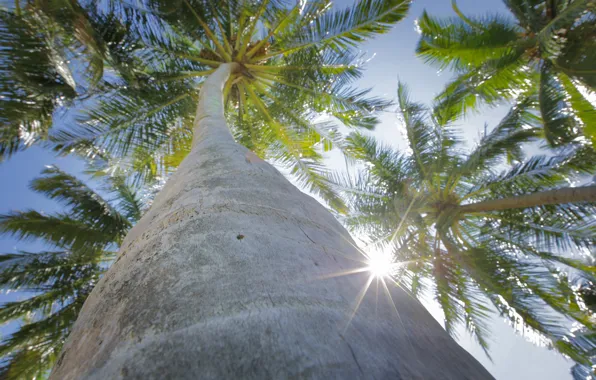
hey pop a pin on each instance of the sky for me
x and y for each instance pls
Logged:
(513, 357)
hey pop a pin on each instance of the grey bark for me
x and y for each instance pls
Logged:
(231, 274)
(549, 197)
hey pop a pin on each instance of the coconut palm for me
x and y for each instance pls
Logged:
(546, 52)
(233, 272)
(483, 231)
(82, 242)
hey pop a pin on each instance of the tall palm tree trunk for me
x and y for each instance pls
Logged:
(235, 273)
(549, 197)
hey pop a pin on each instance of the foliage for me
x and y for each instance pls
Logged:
(547, 53)
(56, 282)
(54, 54)
(33, 81)
(299, 61)
(530, 264)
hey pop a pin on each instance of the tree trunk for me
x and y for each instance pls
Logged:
(234, 273)
(549, 197)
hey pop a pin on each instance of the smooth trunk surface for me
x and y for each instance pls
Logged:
(235, 273)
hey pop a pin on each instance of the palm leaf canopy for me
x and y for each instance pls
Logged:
(82, 243)
(547, 52)
(530, 263)
(34, 80)
(54, 55)
(298, 58)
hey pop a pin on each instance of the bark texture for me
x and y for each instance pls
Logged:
(550, 197)
(233, 273)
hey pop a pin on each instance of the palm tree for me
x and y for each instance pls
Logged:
(481, 236)
(234, 272)
(82, 241)
(547, 53)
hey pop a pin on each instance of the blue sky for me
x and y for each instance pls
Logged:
(394, 58)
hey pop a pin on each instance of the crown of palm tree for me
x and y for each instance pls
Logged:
(296, 62)
(58, 282)
(547, 53)
(480, 234)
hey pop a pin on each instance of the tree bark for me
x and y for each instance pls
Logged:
(549, 197)
(234, 273)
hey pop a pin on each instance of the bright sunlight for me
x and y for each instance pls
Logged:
(380, 265)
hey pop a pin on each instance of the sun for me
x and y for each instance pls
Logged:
(380, 265)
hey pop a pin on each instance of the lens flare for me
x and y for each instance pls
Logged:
(380, 265)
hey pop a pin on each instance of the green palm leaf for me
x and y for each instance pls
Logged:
(459, 44)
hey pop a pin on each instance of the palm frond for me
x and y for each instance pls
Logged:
(504, 141)
(497, 59)
(295, 152)
(523, 292)
(583, 109)
(538, 172)
(420, 134)
(457, 44)
(311, 175)
(77, 22)
(528, 13)
(128, 199)
(387, 164)
(565, 227)
(130, 118)
(72, 192)
(38, 340)
(345, 29)
(47, 271)
(351, 106)
(550, 44)
(559, 127)
(577, 54)
(499, 79)
(58, 229)
(34, 80)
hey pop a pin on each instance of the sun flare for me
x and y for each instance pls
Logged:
(380, 265)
